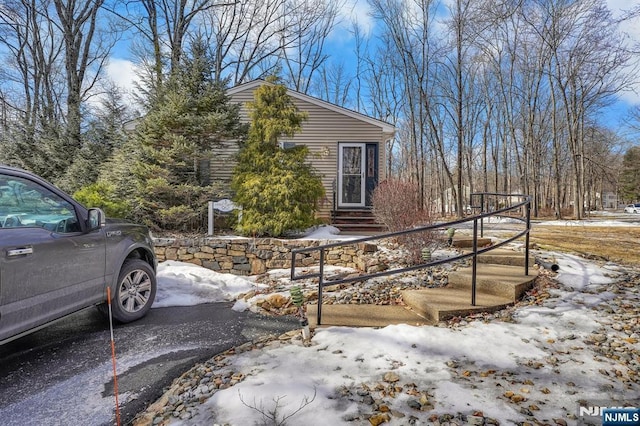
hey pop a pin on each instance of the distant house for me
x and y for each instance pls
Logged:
(447, 204)
(346, 148)
(609, 200)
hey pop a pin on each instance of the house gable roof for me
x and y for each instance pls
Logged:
(385, 127)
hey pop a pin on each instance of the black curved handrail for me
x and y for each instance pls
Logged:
(485, 199)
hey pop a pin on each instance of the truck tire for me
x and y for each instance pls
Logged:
(135, 291)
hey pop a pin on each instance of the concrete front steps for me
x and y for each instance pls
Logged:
(498, 284)
(365, 316)
(439, 304)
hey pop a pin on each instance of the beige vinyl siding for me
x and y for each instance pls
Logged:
(223, 162)
(322, 132)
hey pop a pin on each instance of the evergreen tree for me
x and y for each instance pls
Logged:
(102, 194)
(174, 140)
(277, 189)
(104, 135)
(114, 191)
(33, 149)
(630, 175)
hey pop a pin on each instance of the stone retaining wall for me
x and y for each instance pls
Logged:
(249, 256)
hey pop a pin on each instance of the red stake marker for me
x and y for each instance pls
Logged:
(113, 357)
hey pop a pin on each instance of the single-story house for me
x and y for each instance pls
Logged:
(346, 148)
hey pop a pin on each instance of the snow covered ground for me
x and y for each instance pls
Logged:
(577, 343)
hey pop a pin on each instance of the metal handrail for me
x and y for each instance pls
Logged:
(500, 212)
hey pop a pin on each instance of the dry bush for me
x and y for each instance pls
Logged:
(396, 204)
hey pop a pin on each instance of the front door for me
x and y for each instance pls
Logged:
(357, 173)
(351, 181)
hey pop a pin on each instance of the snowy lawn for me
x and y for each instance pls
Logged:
(577, 343)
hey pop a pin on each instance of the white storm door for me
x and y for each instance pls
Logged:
(351, 181)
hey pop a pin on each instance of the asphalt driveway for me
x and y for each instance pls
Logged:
(62, 374)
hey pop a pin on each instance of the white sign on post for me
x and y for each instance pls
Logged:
(225, 206)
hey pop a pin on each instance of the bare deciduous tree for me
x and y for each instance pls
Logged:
(165, 26)
(85, 52)
(33, 84)
(306, 29)
(245, 38)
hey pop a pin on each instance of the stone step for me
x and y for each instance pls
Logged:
(364, 316)
(500, 280)
(439, 304)
(498, 284)
(364, 228)
(505, 257)
(467, 242)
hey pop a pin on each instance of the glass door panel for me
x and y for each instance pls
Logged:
(351, 175)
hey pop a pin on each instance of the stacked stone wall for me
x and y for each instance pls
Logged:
(254, 256)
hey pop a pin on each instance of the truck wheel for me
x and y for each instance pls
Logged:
(135, 291)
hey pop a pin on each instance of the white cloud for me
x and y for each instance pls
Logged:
(357, 11)
(123, 73)
(631, 28)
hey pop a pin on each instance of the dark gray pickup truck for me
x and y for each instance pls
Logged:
(58, 257)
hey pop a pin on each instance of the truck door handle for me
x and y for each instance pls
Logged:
(20, 251)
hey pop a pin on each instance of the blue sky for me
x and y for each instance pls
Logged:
(633, 29)
(122, 70)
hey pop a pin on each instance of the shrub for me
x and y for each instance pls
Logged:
(277, 189)
(396, 204)
(101, 194)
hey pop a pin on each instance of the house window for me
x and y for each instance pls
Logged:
(371, 161)
(204, 172)
(286, 145)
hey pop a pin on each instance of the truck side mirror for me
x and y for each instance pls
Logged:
(96, 219)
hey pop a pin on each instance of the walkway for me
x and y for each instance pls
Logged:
(500, 282)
